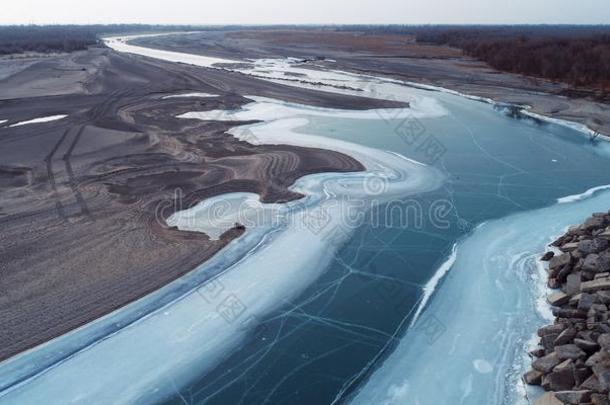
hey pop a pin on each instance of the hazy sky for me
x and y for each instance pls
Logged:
(305, 11)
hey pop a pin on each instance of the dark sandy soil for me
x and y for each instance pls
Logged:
(83, 200)
(398, 56)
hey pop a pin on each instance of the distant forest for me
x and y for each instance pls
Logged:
(578, 55)
(64, 38)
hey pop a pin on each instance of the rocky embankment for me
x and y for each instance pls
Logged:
(572, 361)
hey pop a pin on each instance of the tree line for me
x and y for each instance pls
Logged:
(578, 55)
(575, 54)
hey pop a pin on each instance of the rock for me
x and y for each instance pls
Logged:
(548, 342)
(563, 273)
(555, 329)
(596, 245)
(602, 275)
(586, 345)
(569, 313)
(573, 397)
(573, 284)
(539, 351)
(560, 261)
(547, 256)
(599, 399)
(603, 297)
(603, 376)
(546, 363)
(595, 285)
(548, 398)
(570, 351)
(594, 222)
(604, 341)
(565, 337)
(601, 358)
(597, 263)
(533, 377)
(553, 283)
(585, 302)
(591, 384)
(558, 298)
(605, 234)
(581, 374)
(569, 247)
(560, 378)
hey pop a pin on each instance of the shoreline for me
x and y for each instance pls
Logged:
(462, 76)
(571, 360)
(405, 176)
(89, 177)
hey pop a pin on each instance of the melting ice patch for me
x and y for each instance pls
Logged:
(582, 196)
(216, 215)
(271, 109)
(39, 120)
(188, 95)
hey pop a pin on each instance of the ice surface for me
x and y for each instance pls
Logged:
(468, 345)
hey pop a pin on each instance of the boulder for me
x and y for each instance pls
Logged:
(591, 384)
(603, 297)
(569, 247)
(565, 337)
(547, 256)
(585, 302)
(546, 363)
(555, 329)
(560, 261)
(569, 313)
(597, 263)
(605, 234)
(604, 341)
(573, 284)
(533, 377)
(538, 351)
(570, 351)
(581, 374)
(586, 345)
(599, 399)
(558, 298)
(603, 376)
(594, 222)
(601, 358)
(595, 285)
(589, 246)
(560, 380)
(574, 397)
(548, 398)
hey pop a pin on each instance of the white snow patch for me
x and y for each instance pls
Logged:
(202, 95)
(39, 120)
(577, 197)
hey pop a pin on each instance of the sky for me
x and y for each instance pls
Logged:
(305, 11)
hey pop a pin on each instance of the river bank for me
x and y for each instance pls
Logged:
(572, 360)
(395, 57)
